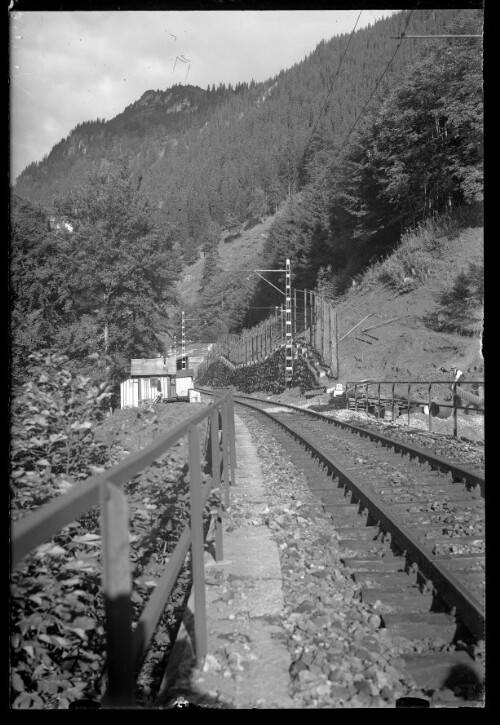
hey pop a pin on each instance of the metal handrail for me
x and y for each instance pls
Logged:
(361, 387)
(125, 646)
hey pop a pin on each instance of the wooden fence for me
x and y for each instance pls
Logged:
(126, 646)
(314, 322)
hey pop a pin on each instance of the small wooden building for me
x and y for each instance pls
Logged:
(148, 378)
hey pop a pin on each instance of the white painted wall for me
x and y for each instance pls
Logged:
(183, 385)
(136, 390)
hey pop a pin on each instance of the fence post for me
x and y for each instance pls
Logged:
(232, 438)
(379, 400)
(305, 314)
(330, 339)
(197, 545)
(294, 314)
(455, 410)
(430, 402)
(392, 401)
(310, 318)
(117, 587)
(409, 388)
(355, 397)
(337, 344)
(225, 453)
(366, 389)
(215, 451)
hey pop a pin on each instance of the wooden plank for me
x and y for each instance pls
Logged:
(197, 545)
(117, 588)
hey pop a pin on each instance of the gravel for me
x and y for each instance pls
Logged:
(468, 451)
(341, 658)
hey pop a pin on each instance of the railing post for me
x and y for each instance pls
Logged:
(310, 318)
(430, 402)
(455, 410)
(225, 452)
(355, 397)
(379, 400)
(392, 401)
(294, 314)
(215, 452)
(366, 390)
(117, 587)
(305, 314)
(197, 545)
(409, 388)
(232, 438)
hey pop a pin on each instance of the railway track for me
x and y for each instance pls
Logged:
(412, 528)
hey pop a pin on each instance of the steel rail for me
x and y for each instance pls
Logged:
(461, 472)
(451, 589)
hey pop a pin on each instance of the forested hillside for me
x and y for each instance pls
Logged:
(222, 155)
(364, 139)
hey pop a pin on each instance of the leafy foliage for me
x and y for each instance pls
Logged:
(460, 307)
(98, 277)
(53, 431)
(57, 606)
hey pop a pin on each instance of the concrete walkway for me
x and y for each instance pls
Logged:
(247, 665)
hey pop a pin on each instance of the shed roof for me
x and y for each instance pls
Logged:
(152, 366)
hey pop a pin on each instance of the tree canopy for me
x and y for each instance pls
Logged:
(98, 278)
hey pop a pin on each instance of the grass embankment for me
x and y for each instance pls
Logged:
(433, 282)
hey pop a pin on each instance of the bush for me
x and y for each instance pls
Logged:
(53, 420)
(460, 309)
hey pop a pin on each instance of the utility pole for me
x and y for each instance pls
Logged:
(288, 325)
(183, 341)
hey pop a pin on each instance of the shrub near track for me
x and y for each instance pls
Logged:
(57, 650)
(54, 628)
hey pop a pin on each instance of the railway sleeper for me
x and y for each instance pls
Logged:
(385, 579)
(463, 561)
(454, 671)
(371, 564)
(420, 625)
(394, 599)
(424, 505)
(361, 533)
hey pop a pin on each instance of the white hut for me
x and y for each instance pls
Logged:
(148, 378)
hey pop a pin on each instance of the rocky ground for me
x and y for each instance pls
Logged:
(340, 656)
(468, 448)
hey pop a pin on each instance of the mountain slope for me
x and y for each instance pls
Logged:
(224, 155)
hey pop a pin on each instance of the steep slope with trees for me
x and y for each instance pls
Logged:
(226, 155)
(417, 154)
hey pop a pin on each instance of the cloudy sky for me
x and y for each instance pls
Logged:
(68, 67)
